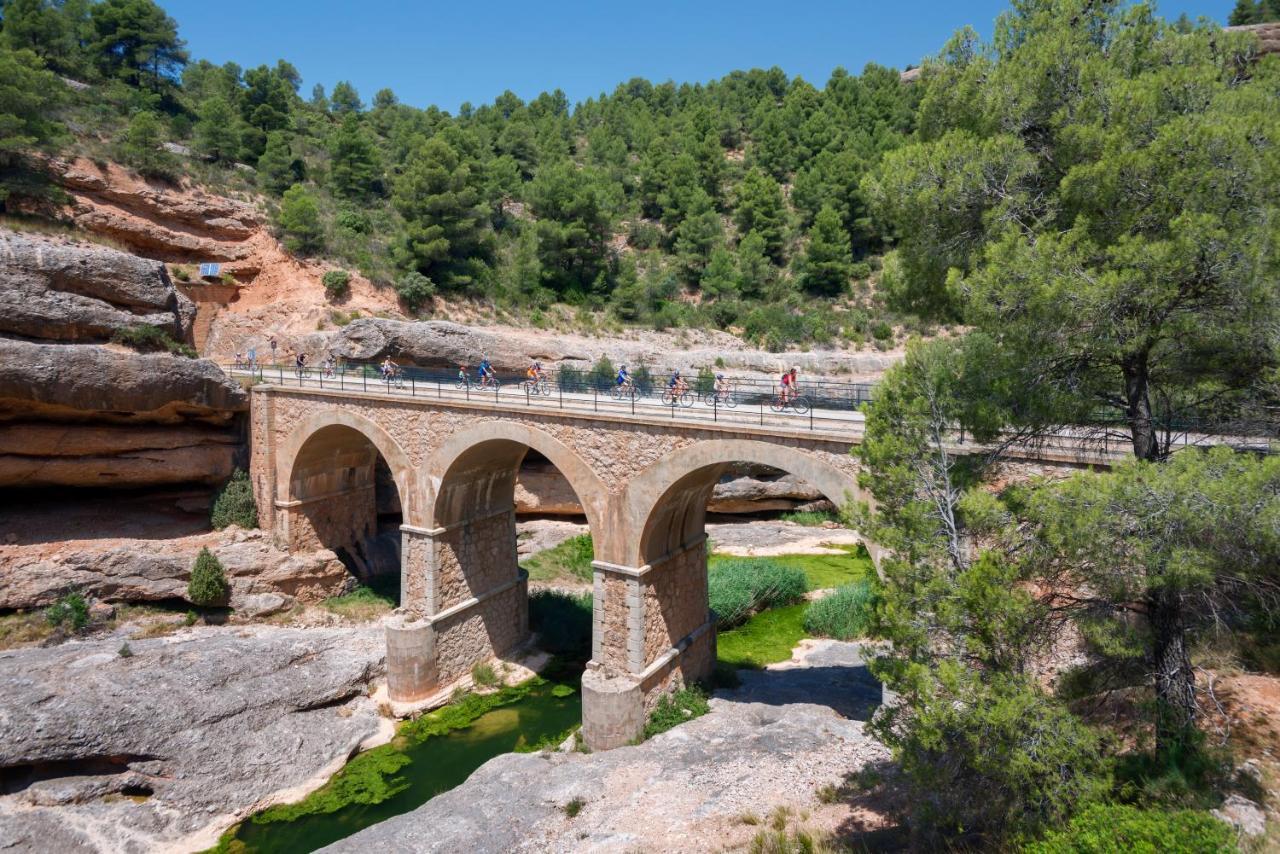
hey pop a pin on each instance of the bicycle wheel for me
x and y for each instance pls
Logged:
(686, 399)
(730, 400)
(800, 405)
(668, 398)
(709, 398)
(777, 404)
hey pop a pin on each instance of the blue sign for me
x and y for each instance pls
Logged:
(209, 270)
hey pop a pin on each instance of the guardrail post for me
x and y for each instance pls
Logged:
(413, 389)
(633, 401)
(810, 419)
(364, 377)
(715, 406)
(342, 377)
(762, 412)
(526, 394)
(560, 389)
(280, 371)
(439, 389)
(595, 399)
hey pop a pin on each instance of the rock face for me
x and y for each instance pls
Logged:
(684, 790)
(208, 722)
(442, 344)
(82, 292)
(136, 571)
(76, 413)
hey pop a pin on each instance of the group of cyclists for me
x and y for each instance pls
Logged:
(537, 381)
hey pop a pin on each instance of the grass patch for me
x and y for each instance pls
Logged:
(1118, 827)
(811, 518)
(23, 628)
(568, 561)
(738, 588)
(574, 807)
(484, 676)
(766, 638)
(846, 614)
(674, 709)
(362, 604)
(151, 339)
(821, 571)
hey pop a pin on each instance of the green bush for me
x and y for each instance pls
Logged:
(705, 382)
(1119, 828)
(483, 675)
(299, 221)
(602, 373)
(846, 614)
(415, 289)
(208, 583)
(562, 622)
(234, 503)
(151, 339)
(337, 283)
(674, 709)
(881, 331)
(739, 588)
(71, 611)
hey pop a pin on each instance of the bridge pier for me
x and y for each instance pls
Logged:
(464, 600)
(652, 634)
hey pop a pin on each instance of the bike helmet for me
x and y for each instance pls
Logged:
(795, 369)
(675, 373)
(719, 376)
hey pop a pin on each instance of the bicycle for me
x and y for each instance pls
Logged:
(488, 383)
(626, 391)
(672, 397)
(538, 386)
(393, 378)
(799, 404)
(727, 398)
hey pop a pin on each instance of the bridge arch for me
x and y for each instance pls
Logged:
(666, 506)
(328, 489)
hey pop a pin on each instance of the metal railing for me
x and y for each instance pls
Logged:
(832, 406)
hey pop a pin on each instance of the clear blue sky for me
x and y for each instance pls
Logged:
(445, 53)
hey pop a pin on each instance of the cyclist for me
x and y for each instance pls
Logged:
(327, 366)
(623, 379)
(300, 364)
(486, 372)
(534, 373)
(789, 380)
(462, 375)
(722, 386)
(388, 369)
(676, 384)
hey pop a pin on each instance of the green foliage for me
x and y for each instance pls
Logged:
(602, 373)
(125, 650)
(151, 339)
(140, 147)
(738, 588)
(562, 622)
(28, 96)
(208, 582)
(961, 732)
(278, 168)
(355, 169)
(299, 221)
(766, 638)
(483, 675)
(70, 612)
(1118, 829)
(216, 130)
(828, 258)
(705, 382)
(337, 283)
(415, 289)
(234, 504)
(363, 603)
(135, 40)
(847, 614)
(573, 807)
(674, 709)
(569, 560)
(760, 210)
(370, 777)
(1254, 12)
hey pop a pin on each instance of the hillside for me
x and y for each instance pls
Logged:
(735, 204)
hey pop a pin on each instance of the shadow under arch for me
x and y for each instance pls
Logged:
(666, 507)
(474, 472)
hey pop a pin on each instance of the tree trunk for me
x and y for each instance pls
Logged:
(1137, 393)
(1175, 680)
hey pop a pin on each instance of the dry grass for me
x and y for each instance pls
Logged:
(23, 629)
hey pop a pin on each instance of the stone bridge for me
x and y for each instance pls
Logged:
(643, 481)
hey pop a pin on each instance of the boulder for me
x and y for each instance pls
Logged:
(79, 382)
(136, 571)
(57, 289)
(1244, 815)
(261, 605)
(210, 722)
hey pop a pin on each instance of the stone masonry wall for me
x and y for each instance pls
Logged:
(674, 597)
(492, 628)
(337, 520)
(474, 558)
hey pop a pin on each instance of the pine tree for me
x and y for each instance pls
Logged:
(720, 279)
(698, 235)
(345, 99)
(827, 259)
(755, 273)
(299, 220)
(1246, 12)
(137, 41)
(216, 132)
(140, 146)
(278, 169)
(355, 169)
(761, 209)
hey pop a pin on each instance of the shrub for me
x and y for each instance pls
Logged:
(846, 614)
(881, 331)
(337, 283)
(71, 611)
(234, 504)
(151, 339)
(299, 221)
(674, 709)
(574, 807)
(562, 622)
(415, 289)
(602, 373)
(738, 588)
(125, 650)
(1107, 828)
(705, 382)
(966, 732)
(208, 583)
(182, 274)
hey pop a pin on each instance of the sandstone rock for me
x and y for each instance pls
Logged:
(52, 288)
(211, 721)
(261, 604)
(136, 571)
(1244, 815)
(82, 382)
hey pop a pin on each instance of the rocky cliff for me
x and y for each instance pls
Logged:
(76, 410)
